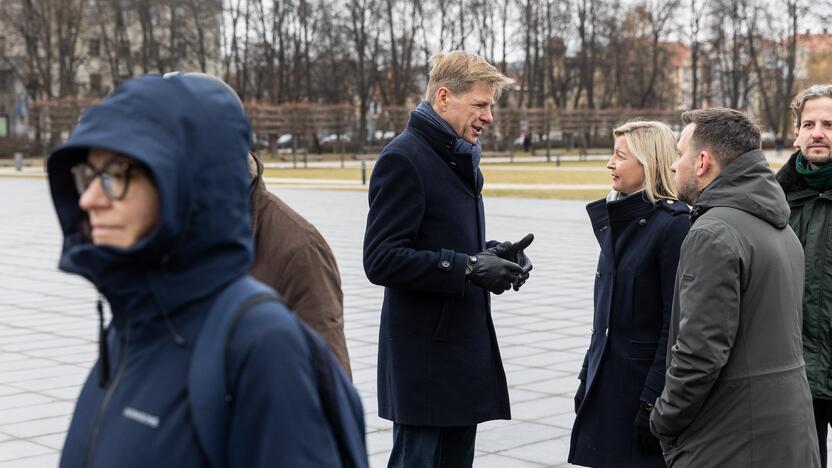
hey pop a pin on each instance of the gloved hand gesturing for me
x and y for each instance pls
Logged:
(514, 253)
(647, 443)
(491, 272)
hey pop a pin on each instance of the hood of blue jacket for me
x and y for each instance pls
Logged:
(193, 136)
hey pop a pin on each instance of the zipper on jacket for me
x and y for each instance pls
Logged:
(122, 363)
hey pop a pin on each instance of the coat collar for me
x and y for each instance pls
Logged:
(443, 144)
(789, 179)
(633, 207)
(440, 141)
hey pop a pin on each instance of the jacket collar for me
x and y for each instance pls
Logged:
(746, 184)
(443, 144)
(631, 207)
(789, 179)
(439, 140)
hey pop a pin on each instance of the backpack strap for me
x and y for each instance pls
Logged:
(208, 394)
(209, 391)
(327, 394)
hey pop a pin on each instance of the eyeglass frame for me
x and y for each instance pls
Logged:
(105, 177)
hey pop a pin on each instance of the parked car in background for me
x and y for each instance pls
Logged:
(336, 143)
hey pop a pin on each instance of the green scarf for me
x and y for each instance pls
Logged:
(819, 179)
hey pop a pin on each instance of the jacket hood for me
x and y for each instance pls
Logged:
(747, 184)
(192, 135)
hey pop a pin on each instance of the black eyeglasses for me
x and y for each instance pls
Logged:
(115, 177)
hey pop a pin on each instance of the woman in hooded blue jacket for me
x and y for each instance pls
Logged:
(640, 227)
(151, 191)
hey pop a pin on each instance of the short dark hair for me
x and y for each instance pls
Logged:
(727, 133)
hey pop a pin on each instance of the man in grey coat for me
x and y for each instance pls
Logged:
(735, 390)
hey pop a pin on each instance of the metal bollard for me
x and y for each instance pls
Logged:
(18, 162)
(363, 172)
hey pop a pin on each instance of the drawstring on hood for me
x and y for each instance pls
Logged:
(103, 351)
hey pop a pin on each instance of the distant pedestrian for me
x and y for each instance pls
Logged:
(779, 143)
(439, 366)
(735, 390)
(151, 192)
(292, 257)
(640, 226)
(807, 180)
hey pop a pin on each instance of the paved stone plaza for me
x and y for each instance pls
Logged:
(48, 324)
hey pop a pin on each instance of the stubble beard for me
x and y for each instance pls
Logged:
(819, 160)
(687, 191)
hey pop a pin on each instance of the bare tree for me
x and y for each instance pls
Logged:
(365, 41)
(732, 62)
(402, 19)
(50, 30)
(115, 39)
(559, 67)
(774, 61)
(588, 26)
(695, 46)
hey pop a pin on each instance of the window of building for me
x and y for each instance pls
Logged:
(94, 48)
(6, 81)
(95, 84)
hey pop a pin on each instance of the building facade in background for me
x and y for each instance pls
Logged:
(85, 48)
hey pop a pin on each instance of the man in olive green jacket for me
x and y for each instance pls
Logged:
(807, 181)
(735, 390)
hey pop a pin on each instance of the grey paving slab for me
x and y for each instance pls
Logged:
(48, 324)
(16, 449)
(43, 461)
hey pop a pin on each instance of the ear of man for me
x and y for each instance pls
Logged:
(707, 165)
(441, 100)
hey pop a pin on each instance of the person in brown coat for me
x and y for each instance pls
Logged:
(292, 257)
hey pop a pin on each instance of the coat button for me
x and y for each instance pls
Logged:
(670, 202)
(445, 264)
(597, 274)
(642, 222)
(606, 332)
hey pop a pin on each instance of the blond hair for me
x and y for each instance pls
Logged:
(459, 71)
(653, 144)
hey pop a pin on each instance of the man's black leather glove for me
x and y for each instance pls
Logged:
(644, 439)
(491, 272)
(579, 395)
(514, 253)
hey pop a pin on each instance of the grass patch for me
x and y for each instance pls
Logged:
(316, 173)
(586, 195)
(497, 176)
(492, 175)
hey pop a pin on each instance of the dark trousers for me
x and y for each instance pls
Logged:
(432, 447)
(823, 417)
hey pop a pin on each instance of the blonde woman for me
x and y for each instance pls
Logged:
(640, 226)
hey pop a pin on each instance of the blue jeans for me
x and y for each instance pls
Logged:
(432, 447)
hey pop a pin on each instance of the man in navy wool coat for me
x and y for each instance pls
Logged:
(439, 367)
